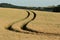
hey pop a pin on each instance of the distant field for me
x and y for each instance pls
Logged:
(19, 24)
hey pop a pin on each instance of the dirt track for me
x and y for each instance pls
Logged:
(19, 25)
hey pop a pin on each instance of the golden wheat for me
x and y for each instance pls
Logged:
(18, 17)
(47, 22)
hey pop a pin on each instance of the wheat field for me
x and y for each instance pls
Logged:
(47, 22)
(22, 24)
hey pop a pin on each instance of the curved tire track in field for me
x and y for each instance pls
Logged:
(10, 27)
(24, 27)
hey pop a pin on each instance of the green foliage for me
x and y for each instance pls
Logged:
(56, 9)
(53, 9)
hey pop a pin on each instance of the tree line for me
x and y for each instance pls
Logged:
(53, 9)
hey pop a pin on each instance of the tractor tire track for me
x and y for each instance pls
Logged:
(25, 28)
(10, 27)
(31, 30)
